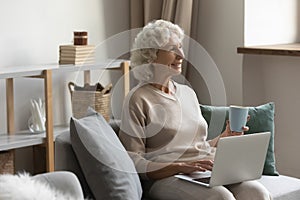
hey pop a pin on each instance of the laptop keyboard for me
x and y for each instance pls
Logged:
(203, 180)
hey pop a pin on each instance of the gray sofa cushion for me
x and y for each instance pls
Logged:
(108, 169)
(282, 187)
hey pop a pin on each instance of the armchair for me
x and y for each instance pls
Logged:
(53, 185)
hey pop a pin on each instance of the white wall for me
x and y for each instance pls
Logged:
(254, 79)
(31, 32)
(275, 78)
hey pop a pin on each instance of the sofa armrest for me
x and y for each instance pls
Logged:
(65, 182)
(282, 187)
(65, 160)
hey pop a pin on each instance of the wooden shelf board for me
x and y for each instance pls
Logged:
(36, 70)
(105, 65)
(292, 49)
(26, 138)
(23, 71)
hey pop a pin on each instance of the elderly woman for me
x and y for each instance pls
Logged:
(162, 127)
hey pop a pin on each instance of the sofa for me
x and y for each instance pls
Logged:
(59, 185)
(281, 187)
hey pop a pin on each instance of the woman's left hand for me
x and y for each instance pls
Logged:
(228, 132)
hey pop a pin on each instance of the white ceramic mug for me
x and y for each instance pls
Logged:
(238, 117)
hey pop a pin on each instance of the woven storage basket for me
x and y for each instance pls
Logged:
(7, 162)
(81, 100)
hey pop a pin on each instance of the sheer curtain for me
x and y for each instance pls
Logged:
(176, 11)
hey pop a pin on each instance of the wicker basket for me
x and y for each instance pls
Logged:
(81, 100)
(7, 162)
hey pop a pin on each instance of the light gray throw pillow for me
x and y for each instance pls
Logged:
(108, 169)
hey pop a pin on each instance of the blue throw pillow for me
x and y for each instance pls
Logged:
(261, 120)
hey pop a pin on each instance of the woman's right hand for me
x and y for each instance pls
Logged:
(200, 165)
(164, 170)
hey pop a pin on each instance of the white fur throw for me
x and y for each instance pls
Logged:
(23, 187)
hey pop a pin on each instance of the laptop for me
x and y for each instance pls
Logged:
(237, 159)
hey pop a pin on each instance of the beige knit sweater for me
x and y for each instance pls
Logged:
(162, 128)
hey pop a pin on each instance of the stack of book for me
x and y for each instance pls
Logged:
(76, 54)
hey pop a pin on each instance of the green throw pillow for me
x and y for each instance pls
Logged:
(261, 120)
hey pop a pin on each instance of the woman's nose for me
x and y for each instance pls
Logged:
(179, 52)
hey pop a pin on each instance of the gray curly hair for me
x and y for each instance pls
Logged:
(154, 36)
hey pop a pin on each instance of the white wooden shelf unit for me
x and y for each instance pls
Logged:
(18, 139)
